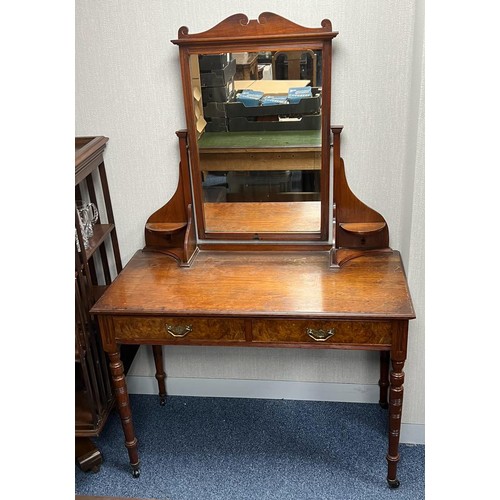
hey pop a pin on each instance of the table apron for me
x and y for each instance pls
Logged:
(256, 332)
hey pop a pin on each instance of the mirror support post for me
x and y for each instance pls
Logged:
(358, 229)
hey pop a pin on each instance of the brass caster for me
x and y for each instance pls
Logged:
(393, 483)
(136, 471)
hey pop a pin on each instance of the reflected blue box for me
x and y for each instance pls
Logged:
(249, 98)
(295, 94)
(273, 100)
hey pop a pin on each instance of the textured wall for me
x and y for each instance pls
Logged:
(128, 88)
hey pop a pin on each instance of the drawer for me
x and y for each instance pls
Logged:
(322, 332)
(178, 329)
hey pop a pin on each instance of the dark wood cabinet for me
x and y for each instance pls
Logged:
(97, 263)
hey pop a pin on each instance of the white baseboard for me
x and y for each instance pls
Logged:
(412, 433)
(272, 389)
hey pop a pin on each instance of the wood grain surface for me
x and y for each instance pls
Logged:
(257, 217)
(261, 284)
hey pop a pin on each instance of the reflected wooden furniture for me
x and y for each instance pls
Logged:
(237, 151)
(246, 66)
(95, 268)
(294, 60)
(252, 217)
(225, 275)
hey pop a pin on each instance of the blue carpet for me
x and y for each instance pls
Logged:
(253, 449)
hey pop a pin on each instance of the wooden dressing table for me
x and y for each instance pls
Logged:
(326, 278)
(288, 150)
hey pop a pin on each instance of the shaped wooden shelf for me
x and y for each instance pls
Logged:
(362, 228)
(101, 231)
(165, 228)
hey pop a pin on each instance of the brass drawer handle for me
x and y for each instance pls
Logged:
(320, 335)
(179, 330)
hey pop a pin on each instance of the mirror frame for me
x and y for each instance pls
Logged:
(239, 34)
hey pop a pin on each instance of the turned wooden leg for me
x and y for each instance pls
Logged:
(397, 376)
(123, 405)
(160, 373)
(395, 410)
(384, 378)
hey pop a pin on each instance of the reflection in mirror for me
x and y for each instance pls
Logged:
(258, 120)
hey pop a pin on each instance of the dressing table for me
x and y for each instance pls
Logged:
(260, 245)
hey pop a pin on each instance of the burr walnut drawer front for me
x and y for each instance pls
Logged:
(178, 329)
(322, 332)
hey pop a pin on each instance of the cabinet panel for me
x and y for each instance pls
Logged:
(175, 329)
(322, 332)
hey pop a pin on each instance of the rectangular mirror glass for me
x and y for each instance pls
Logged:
(258, 125)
